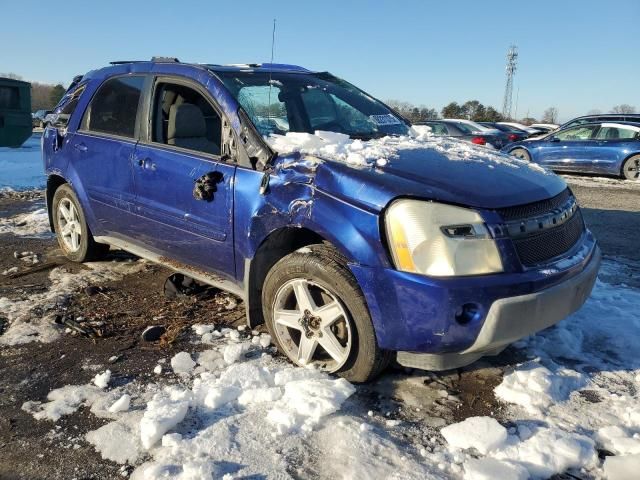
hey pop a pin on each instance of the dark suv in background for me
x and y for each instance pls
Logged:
(603, 117)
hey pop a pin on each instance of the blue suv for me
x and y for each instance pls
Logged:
(259, 179)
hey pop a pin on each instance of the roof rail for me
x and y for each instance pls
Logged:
(165, 59)
(120, 62)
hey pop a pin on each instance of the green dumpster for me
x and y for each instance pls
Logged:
(15, 112)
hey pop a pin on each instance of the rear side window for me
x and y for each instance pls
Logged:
(616, 132)
(9, 98)
(114, 107)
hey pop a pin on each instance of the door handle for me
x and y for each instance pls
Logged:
(80, 147)
(146, 163)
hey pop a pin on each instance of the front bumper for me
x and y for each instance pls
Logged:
(416, 315)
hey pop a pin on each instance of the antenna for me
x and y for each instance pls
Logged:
(273, 42)
(512, 62)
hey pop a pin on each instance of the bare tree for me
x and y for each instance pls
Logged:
(13, 76)
(550, 115)
(624, 108)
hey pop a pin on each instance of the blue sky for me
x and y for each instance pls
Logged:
(576, 55)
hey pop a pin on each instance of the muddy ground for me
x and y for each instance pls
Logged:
(121, 310)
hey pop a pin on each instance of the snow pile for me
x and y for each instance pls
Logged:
(32, 224)
(166, 410)
(121, 405)
(64, 401)
(102, 380)
(599, 395)
(622, 468)
(182, 363)
(492, 469)
(27, 326)
(518, 456)
(482, 433)
(534, 387)
(339, 147)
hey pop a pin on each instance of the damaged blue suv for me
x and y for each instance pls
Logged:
(354, 237)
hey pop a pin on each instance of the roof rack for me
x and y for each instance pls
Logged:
(165, 59)
(120, 62)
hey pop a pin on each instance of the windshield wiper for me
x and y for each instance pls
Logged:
(367, 136)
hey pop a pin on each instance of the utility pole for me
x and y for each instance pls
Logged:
(512, 62)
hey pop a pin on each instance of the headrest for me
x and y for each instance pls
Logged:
(186, 121)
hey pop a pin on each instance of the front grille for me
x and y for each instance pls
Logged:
(534, 209)
(540, 247)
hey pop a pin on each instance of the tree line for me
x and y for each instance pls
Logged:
(477, 112)
(44, 96)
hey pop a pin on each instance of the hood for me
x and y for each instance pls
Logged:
(467, 176)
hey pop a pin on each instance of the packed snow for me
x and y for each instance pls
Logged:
(579, 392)
(32, 224)
(379, 152)
(29, 324)
(22, 168)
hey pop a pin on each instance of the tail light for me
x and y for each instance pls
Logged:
(479, 140)
(513, 137)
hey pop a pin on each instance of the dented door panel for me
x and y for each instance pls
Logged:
(172, 220)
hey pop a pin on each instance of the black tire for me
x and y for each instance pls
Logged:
(521, 153)
(631, 168)
(88, 249)
(325, 266)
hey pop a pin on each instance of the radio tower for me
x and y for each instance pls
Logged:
(512, 62)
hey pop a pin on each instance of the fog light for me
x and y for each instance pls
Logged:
(469, 312)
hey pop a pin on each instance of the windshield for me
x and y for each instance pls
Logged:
(278, 103)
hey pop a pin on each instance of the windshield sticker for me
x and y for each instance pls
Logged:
(386, 119)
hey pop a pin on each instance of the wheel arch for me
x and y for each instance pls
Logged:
(54, 181)
(275, 246)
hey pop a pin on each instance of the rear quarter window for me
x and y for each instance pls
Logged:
(114, 107)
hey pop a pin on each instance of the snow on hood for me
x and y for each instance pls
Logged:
(379, 152)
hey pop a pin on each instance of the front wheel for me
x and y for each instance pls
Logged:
(521, 153)
(631, 168)
(316, 314)
(74, 236)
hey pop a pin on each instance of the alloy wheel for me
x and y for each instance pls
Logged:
(69, 225)
(312, 325)
(632, 169)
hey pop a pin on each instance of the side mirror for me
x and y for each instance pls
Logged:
(554, 139)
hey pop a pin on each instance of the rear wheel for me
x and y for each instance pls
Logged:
(316, 314)
(521, 153)
(74, 237)
(631, 168)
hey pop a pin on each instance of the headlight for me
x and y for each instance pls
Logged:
(440, 240)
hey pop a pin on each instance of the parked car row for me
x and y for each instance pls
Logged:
(606, 144)
(468, 131)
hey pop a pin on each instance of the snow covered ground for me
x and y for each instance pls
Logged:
(578, 392)
(234, 410)
(21, 168)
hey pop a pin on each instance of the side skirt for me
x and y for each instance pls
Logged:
(195, 273)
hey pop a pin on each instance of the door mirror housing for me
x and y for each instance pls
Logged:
(554, 139)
